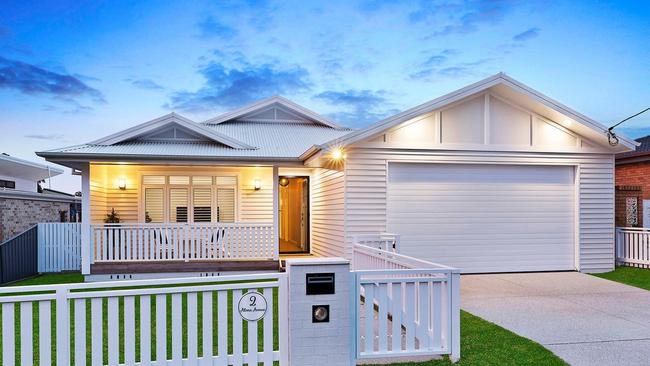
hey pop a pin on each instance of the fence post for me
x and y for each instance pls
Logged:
(454, 280)
(62, 327)
(283, 320)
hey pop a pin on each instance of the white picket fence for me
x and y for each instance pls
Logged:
(385, 241)
(406, 306)
(157, 242)
(59, 247)
(145, 309)
(633, 246)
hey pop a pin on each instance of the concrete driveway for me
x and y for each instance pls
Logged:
(583, 319)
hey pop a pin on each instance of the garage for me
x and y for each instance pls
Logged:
(484, 217)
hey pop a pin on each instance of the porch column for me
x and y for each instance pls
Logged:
(276, 209)
(85, 220)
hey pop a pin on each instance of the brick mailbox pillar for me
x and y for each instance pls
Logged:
(320, 312)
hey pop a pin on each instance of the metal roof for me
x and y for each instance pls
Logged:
(20, 168)
(270, 139)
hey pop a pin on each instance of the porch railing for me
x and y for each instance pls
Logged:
(196, 241)
(405, 306)
(633, 246)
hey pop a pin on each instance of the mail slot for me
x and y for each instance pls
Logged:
(320, 283)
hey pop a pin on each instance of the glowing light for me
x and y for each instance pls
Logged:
(284, 182)
(337, 154)
(121, 183)
(258, 184)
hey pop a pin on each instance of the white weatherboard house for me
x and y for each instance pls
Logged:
(494, 177)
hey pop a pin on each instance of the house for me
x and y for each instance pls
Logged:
(633, 186)
(24, 203)
(494, 177)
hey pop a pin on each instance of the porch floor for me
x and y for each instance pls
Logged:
(183, 266)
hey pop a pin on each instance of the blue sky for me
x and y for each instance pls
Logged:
(71, 72)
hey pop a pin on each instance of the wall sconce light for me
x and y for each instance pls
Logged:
(258, 184)
(121, 184)
(337, 154)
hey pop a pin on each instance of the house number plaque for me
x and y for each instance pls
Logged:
(252, 306)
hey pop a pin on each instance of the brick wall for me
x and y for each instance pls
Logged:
(17, 215)
(622, 194)
(632, 180)
(635, 174)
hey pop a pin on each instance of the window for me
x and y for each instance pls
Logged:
(178, 198)
(7, 184)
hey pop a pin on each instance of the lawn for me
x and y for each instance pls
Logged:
(482, 343)
(77, 278)
(637, 277)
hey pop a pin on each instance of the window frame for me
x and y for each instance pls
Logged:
(167, 186)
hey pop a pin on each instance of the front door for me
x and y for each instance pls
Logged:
(294, 214)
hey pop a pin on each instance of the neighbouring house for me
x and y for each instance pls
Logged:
(494, 177)
(23, 203)
(633, 186)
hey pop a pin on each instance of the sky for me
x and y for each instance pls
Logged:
(72, 72)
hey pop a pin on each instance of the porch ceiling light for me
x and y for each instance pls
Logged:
(257, 184)
(121, 184)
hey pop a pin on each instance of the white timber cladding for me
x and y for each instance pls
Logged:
(327, 213)
(252, 205)
(482, 217)
(366, 192)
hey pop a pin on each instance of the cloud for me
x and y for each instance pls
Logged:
(526, 35)
(439, 58)
(457, 70)
(460, 17)
(53, 137)
(361, 107)
(33, 80)
(145, 84)
(229, 87)
(211, 27)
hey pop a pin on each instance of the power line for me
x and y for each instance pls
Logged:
(611, 136)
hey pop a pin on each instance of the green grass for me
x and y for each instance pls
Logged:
(483, 343)
(76, 278)
(637, 277)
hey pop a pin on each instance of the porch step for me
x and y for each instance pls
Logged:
(184, 266)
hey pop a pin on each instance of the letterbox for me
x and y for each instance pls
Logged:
(320, 283)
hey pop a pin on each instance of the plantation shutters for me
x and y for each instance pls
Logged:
(178, 205)
(153, 204)
(179, 198)
(226, 204)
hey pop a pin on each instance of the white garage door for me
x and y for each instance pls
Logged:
(484, 218)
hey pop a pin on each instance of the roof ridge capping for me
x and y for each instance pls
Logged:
(477, 87)
(168, 119)
(266, 102)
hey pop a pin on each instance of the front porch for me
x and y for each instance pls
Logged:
(198, 219)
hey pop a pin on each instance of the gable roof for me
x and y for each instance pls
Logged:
(506, 84)
(286, 104)
(273, 129)
(167, 120)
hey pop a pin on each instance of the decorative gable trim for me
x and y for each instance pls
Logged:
(166, 123)
(462, 94)
(277, 105)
